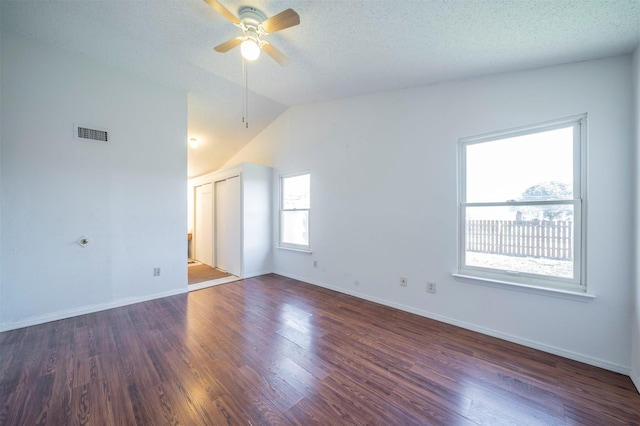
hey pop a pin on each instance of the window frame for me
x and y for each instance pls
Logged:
(285, 245)
(578, 283)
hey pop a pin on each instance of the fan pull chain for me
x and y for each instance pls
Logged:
(245, 95)
(242, 95)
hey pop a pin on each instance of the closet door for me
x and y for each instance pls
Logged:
(228, 225)
(203, 225)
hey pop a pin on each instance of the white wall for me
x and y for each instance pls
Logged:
(1, 121)
(384, 202)
(257, 219)
(635, 325)
(128, 195)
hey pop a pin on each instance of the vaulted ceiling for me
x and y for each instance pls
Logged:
(341, 48)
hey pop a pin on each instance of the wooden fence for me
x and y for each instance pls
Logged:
(553, 240)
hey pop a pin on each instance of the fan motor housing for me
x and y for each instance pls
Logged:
(251, 17)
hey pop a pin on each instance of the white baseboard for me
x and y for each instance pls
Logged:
(483, 330)
(257, 274)
(69, 313)
(635, 378)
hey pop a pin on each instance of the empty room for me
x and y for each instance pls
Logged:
(320, 212)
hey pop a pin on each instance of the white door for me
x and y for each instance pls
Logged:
(228, 225)
(203, 229)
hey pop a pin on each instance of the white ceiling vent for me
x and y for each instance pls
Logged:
(85, 132)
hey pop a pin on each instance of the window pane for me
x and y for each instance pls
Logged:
(526, 239)
(531, 167)
(294, 227)
(295, 192)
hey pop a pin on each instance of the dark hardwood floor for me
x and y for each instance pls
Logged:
(271, 350)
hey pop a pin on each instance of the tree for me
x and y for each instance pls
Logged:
(548, 191)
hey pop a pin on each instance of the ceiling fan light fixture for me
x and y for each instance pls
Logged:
(250, 49)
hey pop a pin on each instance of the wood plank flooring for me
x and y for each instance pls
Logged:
(272, 350)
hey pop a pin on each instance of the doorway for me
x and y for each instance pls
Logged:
(217, 233)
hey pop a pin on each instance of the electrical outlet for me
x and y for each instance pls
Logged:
(403, 281)
(156, 272)
(315, 263)
(431, 287)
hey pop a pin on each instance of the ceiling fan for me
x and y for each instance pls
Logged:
(255, 24)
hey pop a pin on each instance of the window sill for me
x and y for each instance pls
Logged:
(553, 292)
(306, 251)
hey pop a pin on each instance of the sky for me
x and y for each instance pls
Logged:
(502, 170)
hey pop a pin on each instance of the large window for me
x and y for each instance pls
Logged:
(295, 205)
(521, 205)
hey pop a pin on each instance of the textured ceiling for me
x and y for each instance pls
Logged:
(341, 48)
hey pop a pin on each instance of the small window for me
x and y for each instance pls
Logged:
(295, 207)
(521, 205)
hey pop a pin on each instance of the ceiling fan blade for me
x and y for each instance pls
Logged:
(275, 54)
(228, 45)
(223, 11)
(282, 20)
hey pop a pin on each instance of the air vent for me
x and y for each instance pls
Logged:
(83, 132)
